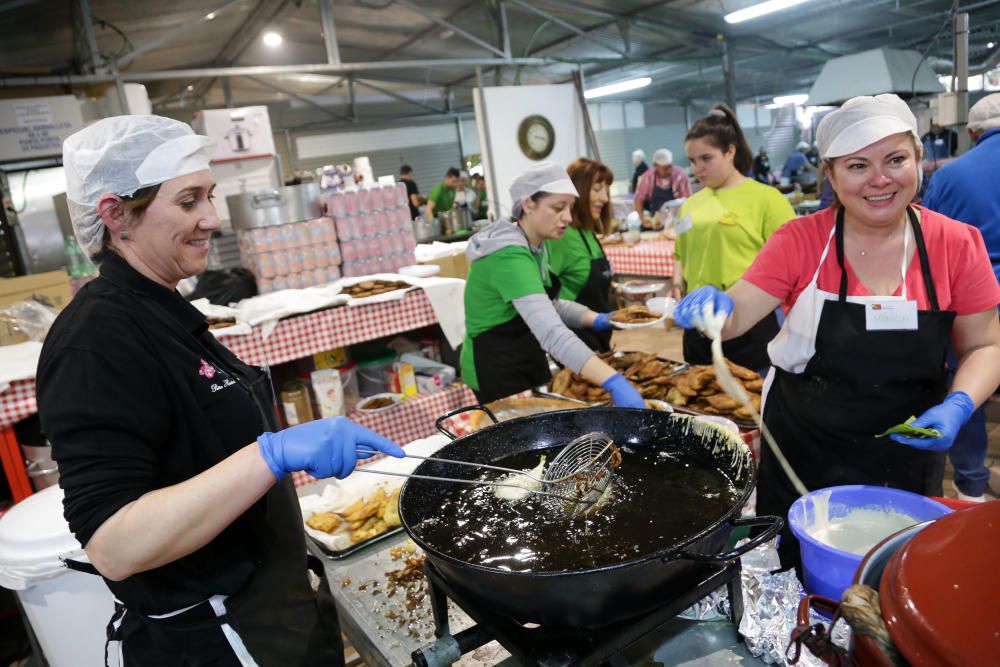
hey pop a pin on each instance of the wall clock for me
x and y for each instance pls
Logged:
(536, 137)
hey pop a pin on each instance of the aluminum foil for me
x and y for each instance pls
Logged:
(770, 608)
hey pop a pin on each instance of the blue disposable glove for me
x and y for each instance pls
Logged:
(623, 393)
(947, 417)
(322, 448)
(603, 322)
(690, 310)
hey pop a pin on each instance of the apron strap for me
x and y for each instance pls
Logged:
(80, 566)
(842, 294)
(590, 251)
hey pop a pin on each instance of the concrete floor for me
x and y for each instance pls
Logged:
(667, 343)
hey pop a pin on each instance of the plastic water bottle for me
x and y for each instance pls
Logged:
(78, 265)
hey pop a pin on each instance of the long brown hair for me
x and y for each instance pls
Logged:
(584, 173)
(722, 130)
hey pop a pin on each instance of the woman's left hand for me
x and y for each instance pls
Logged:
(603, 322)
(947, 417)
(623, 393)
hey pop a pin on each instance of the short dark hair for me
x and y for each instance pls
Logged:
(722, 130)
(453, 173)
(405, 169)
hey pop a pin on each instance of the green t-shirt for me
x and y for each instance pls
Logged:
(493, 283)
(569, 259)
(442, 196)
(728, 228)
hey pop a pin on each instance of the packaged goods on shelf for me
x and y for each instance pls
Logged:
(292, 255)
(373, 228)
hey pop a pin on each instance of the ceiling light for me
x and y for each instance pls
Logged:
(990, 45)
(619, 87)
(760, 9)
(272, 39)
(210, 16)
(190, 88)
(782, 100)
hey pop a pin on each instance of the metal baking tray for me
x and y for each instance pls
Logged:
(357, 546)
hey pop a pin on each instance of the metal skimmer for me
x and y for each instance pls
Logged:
(574, 481)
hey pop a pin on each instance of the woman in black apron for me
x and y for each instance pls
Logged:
(513, 317)
(174, 472)
(577, 259)
(851, 363)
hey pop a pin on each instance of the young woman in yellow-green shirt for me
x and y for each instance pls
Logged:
(723, 227)
(577, 258)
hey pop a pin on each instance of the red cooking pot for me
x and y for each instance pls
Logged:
(938, 584)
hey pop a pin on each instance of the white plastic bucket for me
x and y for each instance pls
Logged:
(68, 610)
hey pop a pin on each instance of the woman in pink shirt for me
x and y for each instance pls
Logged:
(664, 182)
(874, 288)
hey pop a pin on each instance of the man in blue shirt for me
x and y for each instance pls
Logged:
(797, 165)
(966, 189)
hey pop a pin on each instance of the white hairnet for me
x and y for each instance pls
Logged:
(985, 114)
(120, 155)
(802, 146)
(639, 153)
(663, 156)
(545, 177)
(862, 121)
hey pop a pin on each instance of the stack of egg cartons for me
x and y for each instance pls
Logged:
(374, 229)
(293, 255)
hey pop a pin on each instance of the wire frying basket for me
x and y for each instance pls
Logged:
(582, 472)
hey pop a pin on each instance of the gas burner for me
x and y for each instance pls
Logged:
(537, 646)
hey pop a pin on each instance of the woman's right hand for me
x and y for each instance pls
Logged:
(690, 312)
(322, 448)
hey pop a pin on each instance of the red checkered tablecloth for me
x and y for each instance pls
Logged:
(646, 258)
(17, 402)
(412, 420)
(304, 335)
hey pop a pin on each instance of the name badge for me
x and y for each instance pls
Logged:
(891, 315)
(684, 225)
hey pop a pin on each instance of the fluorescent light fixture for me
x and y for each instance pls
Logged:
(210, 16)
(760, 9)
(272, 39)
(990, 45)
(782, 100)
(620, 87)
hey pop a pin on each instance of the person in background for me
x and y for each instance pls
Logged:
(845, 370)
(762, 167)
(442, 197)
(730, 220)
(577, 259)
(965, 189)
(479, 186)
(639, 160)
(175, 472)
(513, 315)
(797, 164)
(940, 144)
(412, 191)
(664, 182)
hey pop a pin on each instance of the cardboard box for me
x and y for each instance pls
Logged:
(51, 288)
(452, 266)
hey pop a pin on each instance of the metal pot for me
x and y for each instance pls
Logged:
(294, 203)
(602, 595)
(41, 469)
(455, 220)
(423, 230)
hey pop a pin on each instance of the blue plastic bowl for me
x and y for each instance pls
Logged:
(827, 570)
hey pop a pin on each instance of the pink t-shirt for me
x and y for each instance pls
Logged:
(678, 181)
(963, 275)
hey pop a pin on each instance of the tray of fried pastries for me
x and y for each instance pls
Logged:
(696, 391)
(649, 373)
(345, 515)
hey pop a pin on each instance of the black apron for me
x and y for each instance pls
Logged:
(596, 295)
(748, 350)
(857, 384)
(660, 196)
(508, 357)
(277, 618)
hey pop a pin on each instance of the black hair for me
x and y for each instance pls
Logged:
(453, 173)
(722, 130)
(405, 169)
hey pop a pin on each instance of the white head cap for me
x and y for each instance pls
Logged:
(663, 156)
(120, 155)
(862, 121)
(802, 146)
(545, 177)
(985, 114)
(639, 154)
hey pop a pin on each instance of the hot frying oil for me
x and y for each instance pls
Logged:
(659, 498)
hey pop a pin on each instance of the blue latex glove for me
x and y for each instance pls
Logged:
(603, 322)
(623, 393)
(688, 313)
(322, 448)
(947, 417)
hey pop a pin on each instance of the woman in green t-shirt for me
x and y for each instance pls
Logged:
(723, 227)
(577, 258)
(513, 313)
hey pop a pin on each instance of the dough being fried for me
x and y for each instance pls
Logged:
(325, 522)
